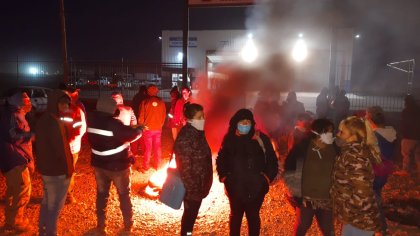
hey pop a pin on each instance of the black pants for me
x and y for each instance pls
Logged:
(304, 216)
(191, 208)
(252, 213)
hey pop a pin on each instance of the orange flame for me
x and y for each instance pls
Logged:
(158, 178)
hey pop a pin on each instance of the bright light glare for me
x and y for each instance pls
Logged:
(357, 36)
(300, 51)
(33, 70)
(249, 52)
(180, 56)
(300, 35)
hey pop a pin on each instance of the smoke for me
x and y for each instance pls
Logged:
(275, 26)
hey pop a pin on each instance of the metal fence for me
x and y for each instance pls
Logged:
(97, 78)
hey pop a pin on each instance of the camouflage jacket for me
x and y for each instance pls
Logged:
(352, 191)
(193, 160)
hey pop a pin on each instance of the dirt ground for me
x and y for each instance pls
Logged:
(401, 194)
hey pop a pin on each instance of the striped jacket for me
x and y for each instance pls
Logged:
(352, 189)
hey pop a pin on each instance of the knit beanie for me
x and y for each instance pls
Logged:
(152, 90)
(106, 104)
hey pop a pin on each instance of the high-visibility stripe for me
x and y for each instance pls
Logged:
(111, 151)
(100, 132)
(66, 119)
(77, 124)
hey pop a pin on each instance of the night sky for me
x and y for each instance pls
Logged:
(108, 30)
(101, 30)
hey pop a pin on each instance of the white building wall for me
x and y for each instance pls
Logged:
(206, 40)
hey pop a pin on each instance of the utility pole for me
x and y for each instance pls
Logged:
(64, 43)
(185, 40)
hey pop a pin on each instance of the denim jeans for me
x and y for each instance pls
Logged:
(18, 194)
(55, 192)
(350, 230)
(378, 184)
(152, 140)
(71, 186)
(121, 180)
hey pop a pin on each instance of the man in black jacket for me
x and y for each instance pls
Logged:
(110, 140)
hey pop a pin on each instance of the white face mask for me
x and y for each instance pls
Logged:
(198, 124)
(327, 138)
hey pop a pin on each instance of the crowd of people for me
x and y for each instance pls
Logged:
(328, 176)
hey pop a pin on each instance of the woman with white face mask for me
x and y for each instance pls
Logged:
(193, 160)
(308, 169)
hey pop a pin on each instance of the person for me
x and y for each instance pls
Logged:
(126, 113)
(138, 99)
(16, 160)
(110, 140)
(322, 104)
(292, 108)
(410, 132)
(308, 169)
(246, 164)
(386, 137)
(54, 160)
(194, 162)
(152, 117)
(354, 202)
(341, 107)
(174, 98)
(301, 131)
(269, 112)
(79, 127)
(179, 119)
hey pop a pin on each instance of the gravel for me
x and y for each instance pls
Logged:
(153, 218)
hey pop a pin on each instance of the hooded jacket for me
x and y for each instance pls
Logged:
(352, 190)
(53, 154)
(193, 159)
(242, 164)
(15, 139)
(112, 135)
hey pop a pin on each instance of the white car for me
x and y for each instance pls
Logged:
(38, 95)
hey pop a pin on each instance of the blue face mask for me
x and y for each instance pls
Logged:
(244, 129)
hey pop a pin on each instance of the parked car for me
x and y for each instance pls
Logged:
(38, 95)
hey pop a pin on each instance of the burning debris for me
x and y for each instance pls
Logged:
(157, 179)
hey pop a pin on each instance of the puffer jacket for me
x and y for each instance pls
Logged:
(352, 190)
(193, 159)
(242, 164)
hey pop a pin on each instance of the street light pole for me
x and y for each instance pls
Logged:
(64, 43)
(185, 45)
